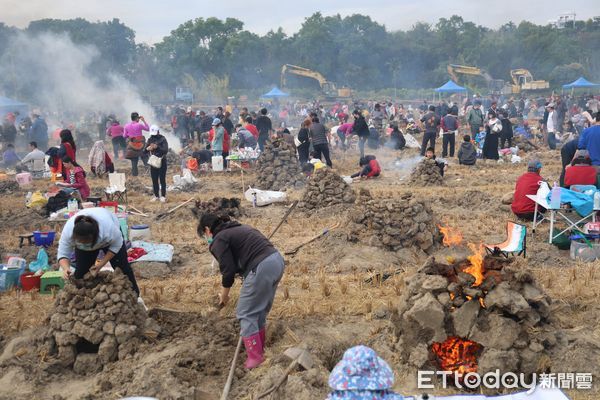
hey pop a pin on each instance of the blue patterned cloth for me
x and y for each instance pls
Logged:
(362, 375)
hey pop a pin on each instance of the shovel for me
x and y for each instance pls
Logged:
(324, 233)
(287, 214)
(300, 357)
(162, 215)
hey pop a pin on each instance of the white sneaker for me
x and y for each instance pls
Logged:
(141, 301)
(153, 199)
(163, 199)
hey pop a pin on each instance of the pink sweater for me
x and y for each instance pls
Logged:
(115, 130)
(134, 129)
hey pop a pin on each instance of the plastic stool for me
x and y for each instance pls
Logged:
(51, 279)
(23, 236)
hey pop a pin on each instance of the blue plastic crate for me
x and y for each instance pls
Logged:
(44, 238)
(9, 277)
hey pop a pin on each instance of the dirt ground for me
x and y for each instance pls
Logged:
(323, 301)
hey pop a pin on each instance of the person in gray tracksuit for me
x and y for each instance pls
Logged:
(244, 251)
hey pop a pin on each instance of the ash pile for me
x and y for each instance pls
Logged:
(219, 205)
(326, 188)
(9, 187)
(278, 167)
(426, 173)
(95, 321)
(173, 159)
(393, 223)
(475, 315)
(524, 144)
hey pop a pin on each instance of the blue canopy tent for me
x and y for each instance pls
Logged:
(275, 92)
(450, 87)
(581, 83)
(9, 105)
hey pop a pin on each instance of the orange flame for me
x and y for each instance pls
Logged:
(452, 237)
(456, 354)
(476, 260)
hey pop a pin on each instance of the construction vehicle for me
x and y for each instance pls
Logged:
(329, 88)
(523, 80)
(496, 86)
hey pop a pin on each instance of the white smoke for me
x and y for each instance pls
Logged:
(61, 71)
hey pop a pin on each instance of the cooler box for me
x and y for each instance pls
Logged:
(9, 277)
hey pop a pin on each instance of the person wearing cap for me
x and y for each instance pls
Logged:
(158, 146)
(552, 126)
(580, 171)
(475, 118)
(527, 184)
(362, 375)
(217, 137)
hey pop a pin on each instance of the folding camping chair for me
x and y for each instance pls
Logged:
(117, 190)
(515, 242)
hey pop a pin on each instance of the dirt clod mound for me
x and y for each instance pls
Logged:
(219, 205)
(326, 188)
(426, 173)
(394, 224)
(25, 219)
(278, 167)
(95, 321)
(9, 187)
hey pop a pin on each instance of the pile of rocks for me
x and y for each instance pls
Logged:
(8, 187)
(326, 188)
(506, 316)
(219, 205)
(173, 159)
(95, 321)
(426, 173)
(278, 167)
(393, 223)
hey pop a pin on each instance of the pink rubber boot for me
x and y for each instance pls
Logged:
(254, 350)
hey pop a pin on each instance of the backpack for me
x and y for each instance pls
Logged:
(57, 202)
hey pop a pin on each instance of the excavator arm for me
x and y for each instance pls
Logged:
(300, 71)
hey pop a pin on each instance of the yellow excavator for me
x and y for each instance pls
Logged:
(496, 86)
(523, 80)
(328, 88)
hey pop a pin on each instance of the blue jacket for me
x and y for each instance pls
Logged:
(38, 131)
(590, 140)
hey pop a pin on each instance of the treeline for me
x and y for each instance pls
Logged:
(354, 51)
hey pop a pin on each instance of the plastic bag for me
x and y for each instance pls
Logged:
(37, 200)
(264, 197)
(41, 263)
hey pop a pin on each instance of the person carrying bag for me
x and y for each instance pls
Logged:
(157, 148)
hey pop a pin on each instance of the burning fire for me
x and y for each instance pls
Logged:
(476, 260)
(457, 355)
(452, 237)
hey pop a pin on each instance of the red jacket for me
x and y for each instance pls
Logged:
(580, 175)
(253, 130)
(375, 169)
(80, 182)
(528, 183)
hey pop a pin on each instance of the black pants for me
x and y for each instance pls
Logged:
(118, 142)
(84, 260)
(134, 166)
(428, 137)
(504, 140)
(449, 139)
(529, 216)
(262, 139)
(159, 173)
(323, 150)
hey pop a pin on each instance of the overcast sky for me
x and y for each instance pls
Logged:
(153, 19)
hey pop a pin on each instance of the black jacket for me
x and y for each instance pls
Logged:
(360, 127)
(397, 140)
(507, 130)
(161, 142)
(303, 136)
(228, 125)
(263, 124)
(205, 124)
(238, 249)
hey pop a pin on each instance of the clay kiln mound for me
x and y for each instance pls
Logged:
(426, 173)
(393, 224)
(326, 188)
(278, 167)
(95, 321)
(219, 205)
(502, 323)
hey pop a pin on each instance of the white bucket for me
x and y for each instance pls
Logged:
(139, 232)
(217, 163)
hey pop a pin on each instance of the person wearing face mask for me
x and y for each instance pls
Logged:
(244, 251)
(157, 146)
(88, 232)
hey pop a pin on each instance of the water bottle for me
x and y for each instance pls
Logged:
(29, 194)
(72, 205)
(555, 197)
(597, 201)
